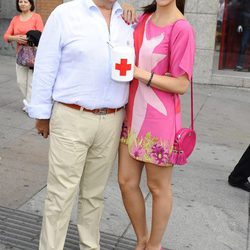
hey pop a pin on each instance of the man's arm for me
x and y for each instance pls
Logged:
(45, 72)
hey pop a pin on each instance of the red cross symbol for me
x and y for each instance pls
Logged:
(123, 67)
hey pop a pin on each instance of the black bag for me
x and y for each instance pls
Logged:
(33, 37)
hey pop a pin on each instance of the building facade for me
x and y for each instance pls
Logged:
(215, 62)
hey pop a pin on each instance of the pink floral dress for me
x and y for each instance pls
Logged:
(154, 116)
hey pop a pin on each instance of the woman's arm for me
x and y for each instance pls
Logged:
(177, 85)
(9, 32)
(181, 62)
(10, 37)
(21, 39)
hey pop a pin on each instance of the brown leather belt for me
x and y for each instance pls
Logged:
(101, 111)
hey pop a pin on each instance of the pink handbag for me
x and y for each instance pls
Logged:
(185, 140)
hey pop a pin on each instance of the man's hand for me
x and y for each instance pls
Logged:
(42, 126)
(240, 29)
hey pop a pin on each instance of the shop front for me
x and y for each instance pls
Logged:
(233, 35)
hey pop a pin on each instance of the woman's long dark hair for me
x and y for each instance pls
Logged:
(152, 7)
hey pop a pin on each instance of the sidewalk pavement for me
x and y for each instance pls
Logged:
(208, 214)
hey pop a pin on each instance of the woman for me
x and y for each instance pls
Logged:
(16, 32)
(165, 47)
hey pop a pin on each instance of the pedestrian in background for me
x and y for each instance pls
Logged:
(165, 48)
(27, 20)
(241, 173)
(243, 29)
(76, 102)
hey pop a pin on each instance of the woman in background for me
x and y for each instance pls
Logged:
(165, 48)
(27, 20)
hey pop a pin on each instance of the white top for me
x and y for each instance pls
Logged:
(73, 61)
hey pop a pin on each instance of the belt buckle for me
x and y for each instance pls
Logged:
(102, 111)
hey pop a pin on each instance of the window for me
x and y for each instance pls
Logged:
(233, 35)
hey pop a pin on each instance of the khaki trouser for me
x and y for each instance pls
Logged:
(24, 81)
(83, 147)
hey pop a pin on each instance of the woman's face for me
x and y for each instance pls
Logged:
(24, 5)
(163, 3)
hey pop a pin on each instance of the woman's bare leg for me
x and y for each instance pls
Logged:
(129, 176)
(159, 183)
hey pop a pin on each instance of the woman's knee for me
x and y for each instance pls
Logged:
(128, 184)
(159, 190)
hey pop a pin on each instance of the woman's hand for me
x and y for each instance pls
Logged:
(136, 72)
(21, 39)
(129, 13)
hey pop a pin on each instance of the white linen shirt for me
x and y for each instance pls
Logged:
(73, 61)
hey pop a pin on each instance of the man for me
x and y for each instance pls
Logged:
(244, 28)
(239, 176)
(76, 102)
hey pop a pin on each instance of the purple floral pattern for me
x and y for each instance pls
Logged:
(138, 151)
(147, 149)
(159, 154)
(124, 133)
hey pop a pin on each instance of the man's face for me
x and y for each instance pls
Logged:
(109, 1)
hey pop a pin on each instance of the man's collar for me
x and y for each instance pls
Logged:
(117, 9)
(90, 4)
